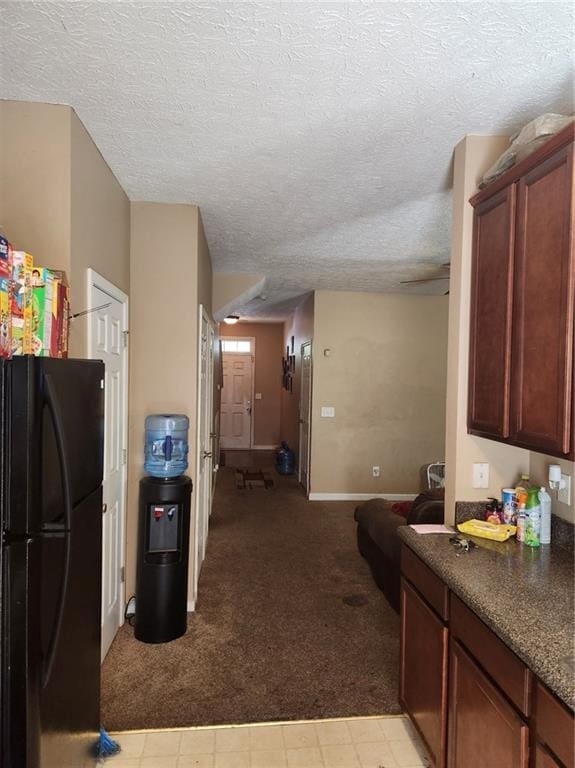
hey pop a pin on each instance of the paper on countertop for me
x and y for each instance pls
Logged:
(431, 528)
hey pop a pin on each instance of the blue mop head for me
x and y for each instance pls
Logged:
(106, 746)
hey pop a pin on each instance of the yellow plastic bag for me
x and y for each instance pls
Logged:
(486, 530)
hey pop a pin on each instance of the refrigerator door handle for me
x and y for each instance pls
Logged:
(54, 408)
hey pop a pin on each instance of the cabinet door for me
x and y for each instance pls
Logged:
(543, 759)
(543, 308)
(491, 308)
(484, 730)
(423, 677)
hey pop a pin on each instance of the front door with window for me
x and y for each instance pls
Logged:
(236, 402)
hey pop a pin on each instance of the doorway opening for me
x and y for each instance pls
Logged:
(108, 341)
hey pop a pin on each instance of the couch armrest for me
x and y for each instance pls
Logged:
(372, 507)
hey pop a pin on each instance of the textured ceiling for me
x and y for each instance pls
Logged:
(316, 137)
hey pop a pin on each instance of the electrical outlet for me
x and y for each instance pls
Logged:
(480, 475)
(375, 471)
(564, 494)
(327, 411)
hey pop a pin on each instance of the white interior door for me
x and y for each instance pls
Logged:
(304, 416)
(204, 459)
(107, 342)
(236, 402)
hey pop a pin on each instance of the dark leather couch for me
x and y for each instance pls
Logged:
(377, 537)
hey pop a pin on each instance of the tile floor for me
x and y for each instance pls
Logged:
(372, 742)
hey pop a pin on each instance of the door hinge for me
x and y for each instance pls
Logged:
(124, 456)
(125, 334)
(123, 574)
(102, 384)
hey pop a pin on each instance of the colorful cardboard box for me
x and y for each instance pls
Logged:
(42, 292)
(5, 258)
(21, 303)
(60, 315)
(5, 321)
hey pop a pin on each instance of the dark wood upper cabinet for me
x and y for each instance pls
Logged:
(522, 304)
(491, 303)
(543, 308)
(484, 730)
(543, 759)
(423, 671)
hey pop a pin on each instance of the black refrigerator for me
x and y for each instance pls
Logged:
(52, 436)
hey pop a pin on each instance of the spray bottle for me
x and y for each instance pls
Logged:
(545, 503)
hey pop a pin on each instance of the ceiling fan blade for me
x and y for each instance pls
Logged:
(424, 280)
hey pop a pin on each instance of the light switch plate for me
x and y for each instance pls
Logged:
(327, 411)
(258, 395)
(564, 494)
(480, 475)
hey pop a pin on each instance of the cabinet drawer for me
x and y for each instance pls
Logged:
(508, 671)
(427, 583)
(554, 725)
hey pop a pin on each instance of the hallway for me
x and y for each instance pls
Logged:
(289, 624)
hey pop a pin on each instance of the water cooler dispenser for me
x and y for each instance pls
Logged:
(164, 532)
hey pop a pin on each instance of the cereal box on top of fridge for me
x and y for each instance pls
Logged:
(42, 286)
(5, 258)
(21, 303)
(5, 323)
(59, 294)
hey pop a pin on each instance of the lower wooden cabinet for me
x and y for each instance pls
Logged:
(484, 730)
(423, 671)
(554, 726)
(494, 713)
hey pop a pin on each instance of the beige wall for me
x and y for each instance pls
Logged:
(170, 272)
(205, 276)
(35, 169)
(60, 201)
(385, 376)
(473, 155)
(100, 228)
(267, 377)
(300, 325)
(539, 475)
(231, 290)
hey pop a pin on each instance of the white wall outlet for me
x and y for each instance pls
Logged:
(327, 411)
(564, 494)
(480, 475)
(376, 471)
(258, 395)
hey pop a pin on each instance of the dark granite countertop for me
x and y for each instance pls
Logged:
(525, 595)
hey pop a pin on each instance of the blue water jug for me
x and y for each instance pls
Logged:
(166, 445)
(285, 460)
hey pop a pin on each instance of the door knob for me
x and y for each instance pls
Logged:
(207, 454)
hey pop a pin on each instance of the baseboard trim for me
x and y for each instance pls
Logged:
(191, 606)
(264, 447)
(361, 496)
